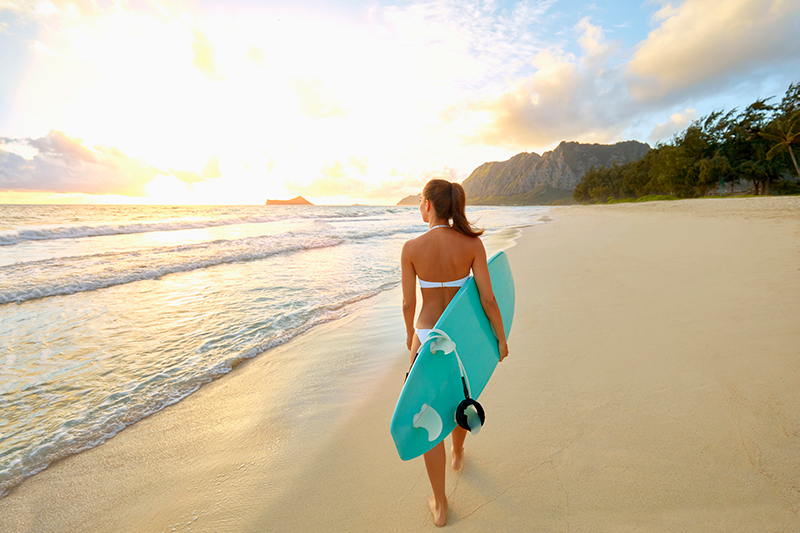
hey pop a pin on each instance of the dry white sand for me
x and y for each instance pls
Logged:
(653, 385)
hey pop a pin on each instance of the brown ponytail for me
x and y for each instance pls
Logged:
(449, 201)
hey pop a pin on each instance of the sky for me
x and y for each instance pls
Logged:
(358, 101)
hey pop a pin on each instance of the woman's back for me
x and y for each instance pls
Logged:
(440, 255)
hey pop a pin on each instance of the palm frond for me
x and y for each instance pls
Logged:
(775, 150)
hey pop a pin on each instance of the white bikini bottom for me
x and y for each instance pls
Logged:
(422, 335)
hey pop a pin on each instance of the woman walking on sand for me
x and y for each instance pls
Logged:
(442, 259)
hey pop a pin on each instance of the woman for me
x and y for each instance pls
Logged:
(442, 259)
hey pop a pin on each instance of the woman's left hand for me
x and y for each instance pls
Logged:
(503, 347)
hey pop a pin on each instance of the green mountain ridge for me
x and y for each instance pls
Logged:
(531, 179)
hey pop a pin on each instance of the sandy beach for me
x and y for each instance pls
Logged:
(653, 384)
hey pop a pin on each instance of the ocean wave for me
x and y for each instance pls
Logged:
(53, 232)
(34, 280)
(42, 233)
(21, 282)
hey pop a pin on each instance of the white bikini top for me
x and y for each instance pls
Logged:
(441, 284)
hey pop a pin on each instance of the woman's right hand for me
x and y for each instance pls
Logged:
(502, 345)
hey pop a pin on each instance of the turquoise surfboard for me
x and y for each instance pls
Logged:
(462, 343)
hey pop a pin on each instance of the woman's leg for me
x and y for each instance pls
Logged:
(415, 344)
(457, 451)
(435, 465)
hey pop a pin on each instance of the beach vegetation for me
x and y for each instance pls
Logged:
(785, 133)
(722, 154)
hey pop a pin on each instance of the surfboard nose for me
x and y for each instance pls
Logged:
(430, 420)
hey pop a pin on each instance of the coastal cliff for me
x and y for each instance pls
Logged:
(530, 179)
(410, 200)
(299, 200)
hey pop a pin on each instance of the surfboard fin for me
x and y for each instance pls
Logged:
(443, 345)
(430, 420)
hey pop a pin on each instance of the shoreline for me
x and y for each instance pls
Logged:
(652, 385)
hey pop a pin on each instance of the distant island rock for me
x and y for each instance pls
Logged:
(294, 201)
(410, 200)
(531, 179)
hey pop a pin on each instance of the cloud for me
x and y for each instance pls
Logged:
(339, 187)
(602, 92)
(47, 8)
(444, 173)
(63, 164)
(212, 170)
(257, 56)
(337, 169)
(567, 98)
(359, 164)
(186, 176)
(315, 100)
(592, 41)
(334, 170)
(337, 181)
(704, 45)
(332, 186)
(46, 50)
(408, 183)
(79, 9)
(57, 145)
(676, 123)
(203, 59)
(59, 163)
(84, 7)
(450, 40)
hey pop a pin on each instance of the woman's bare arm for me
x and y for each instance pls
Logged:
(409, 285)
(480, 270)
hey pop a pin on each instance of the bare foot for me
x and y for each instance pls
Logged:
(458, 458)
(439, 512)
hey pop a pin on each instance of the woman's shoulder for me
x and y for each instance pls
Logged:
(415, 240)
(411, 245)
(476, 247)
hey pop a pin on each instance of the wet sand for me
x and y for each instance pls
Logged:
(653, 384)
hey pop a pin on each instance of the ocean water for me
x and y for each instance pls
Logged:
(111, 313)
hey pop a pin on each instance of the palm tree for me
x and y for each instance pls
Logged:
(788, 133)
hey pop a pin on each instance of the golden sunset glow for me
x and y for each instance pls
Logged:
(217, 102)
